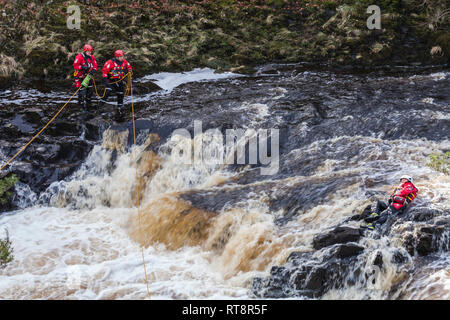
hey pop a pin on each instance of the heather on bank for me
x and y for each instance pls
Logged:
(225, 34)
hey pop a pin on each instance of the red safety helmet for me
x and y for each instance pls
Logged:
(88, 47)
(118, 53)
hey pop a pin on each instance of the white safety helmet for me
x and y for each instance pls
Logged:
(409, 178)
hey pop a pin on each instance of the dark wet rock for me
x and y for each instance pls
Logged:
(290, 199)
(427, 239)
(305, 195)
(145, 87)
(424, 243)
(21, 124)
(309, 275)
(11, 131)
(409, 244)
(273, 285)
(427, 234)
(378, 261)
(72, 152)
(33, 116)
(399, 257)
(296, 257)
(64, 128)
(421, 214)
(93, 131)
(41, 164)
(364, 214)
(347, 250)
(337, 235)
(143, 128)
(268, 69)
(314, 280)
(310, 278)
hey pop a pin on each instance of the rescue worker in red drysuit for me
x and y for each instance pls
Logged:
(114, 70)
(84, 64)
(402, 196)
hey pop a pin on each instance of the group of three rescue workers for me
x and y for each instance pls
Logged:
(114, 76)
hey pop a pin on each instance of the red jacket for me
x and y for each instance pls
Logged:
(113, 69)
(405, 191)
(83, 60)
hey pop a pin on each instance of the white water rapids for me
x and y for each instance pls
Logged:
(85, 244)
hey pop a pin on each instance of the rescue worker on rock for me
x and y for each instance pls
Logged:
(113, 71)
(402, 196)
(84, 64)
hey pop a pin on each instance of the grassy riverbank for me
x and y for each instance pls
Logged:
(224, 34)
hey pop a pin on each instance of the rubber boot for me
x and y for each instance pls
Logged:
(89, 93)
(120, 110)
(120, 102)
(82, 99)
(120, 98)
(372, 217)
(370, 226)
(119, 113)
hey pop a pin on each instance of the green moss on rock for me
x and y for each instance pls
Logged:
(6, 185)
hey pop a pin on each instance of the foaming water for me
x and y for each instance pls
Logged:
(92, 250)
(82, 240)
(169, 80)
(76, 254)
(181, 173)
(431, 283)
(87, 245)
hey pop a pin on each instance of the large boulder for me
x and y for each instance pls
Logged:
(337, 235)
(307, 276)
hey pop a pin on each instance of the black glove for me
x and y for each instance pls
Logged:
(92, 71)
(85, 68)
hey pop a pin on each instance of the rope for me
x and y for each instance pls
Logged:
(37, 134)
(104, 91)
(96, 92)
(130, 89)
(138, 185)
(60, 110)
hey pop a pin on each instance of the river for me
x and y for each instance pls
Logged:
(209, 229)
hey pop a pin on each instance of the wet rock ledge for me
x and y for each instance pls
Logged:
(335, 263)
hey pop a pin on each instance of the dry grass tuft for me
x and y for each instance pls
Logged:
(9, 67)
(436, 51)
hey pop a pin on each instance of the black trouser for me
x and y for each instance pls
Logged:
(119, 88)
(384, 210)
(85, 95)
(381, 206)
